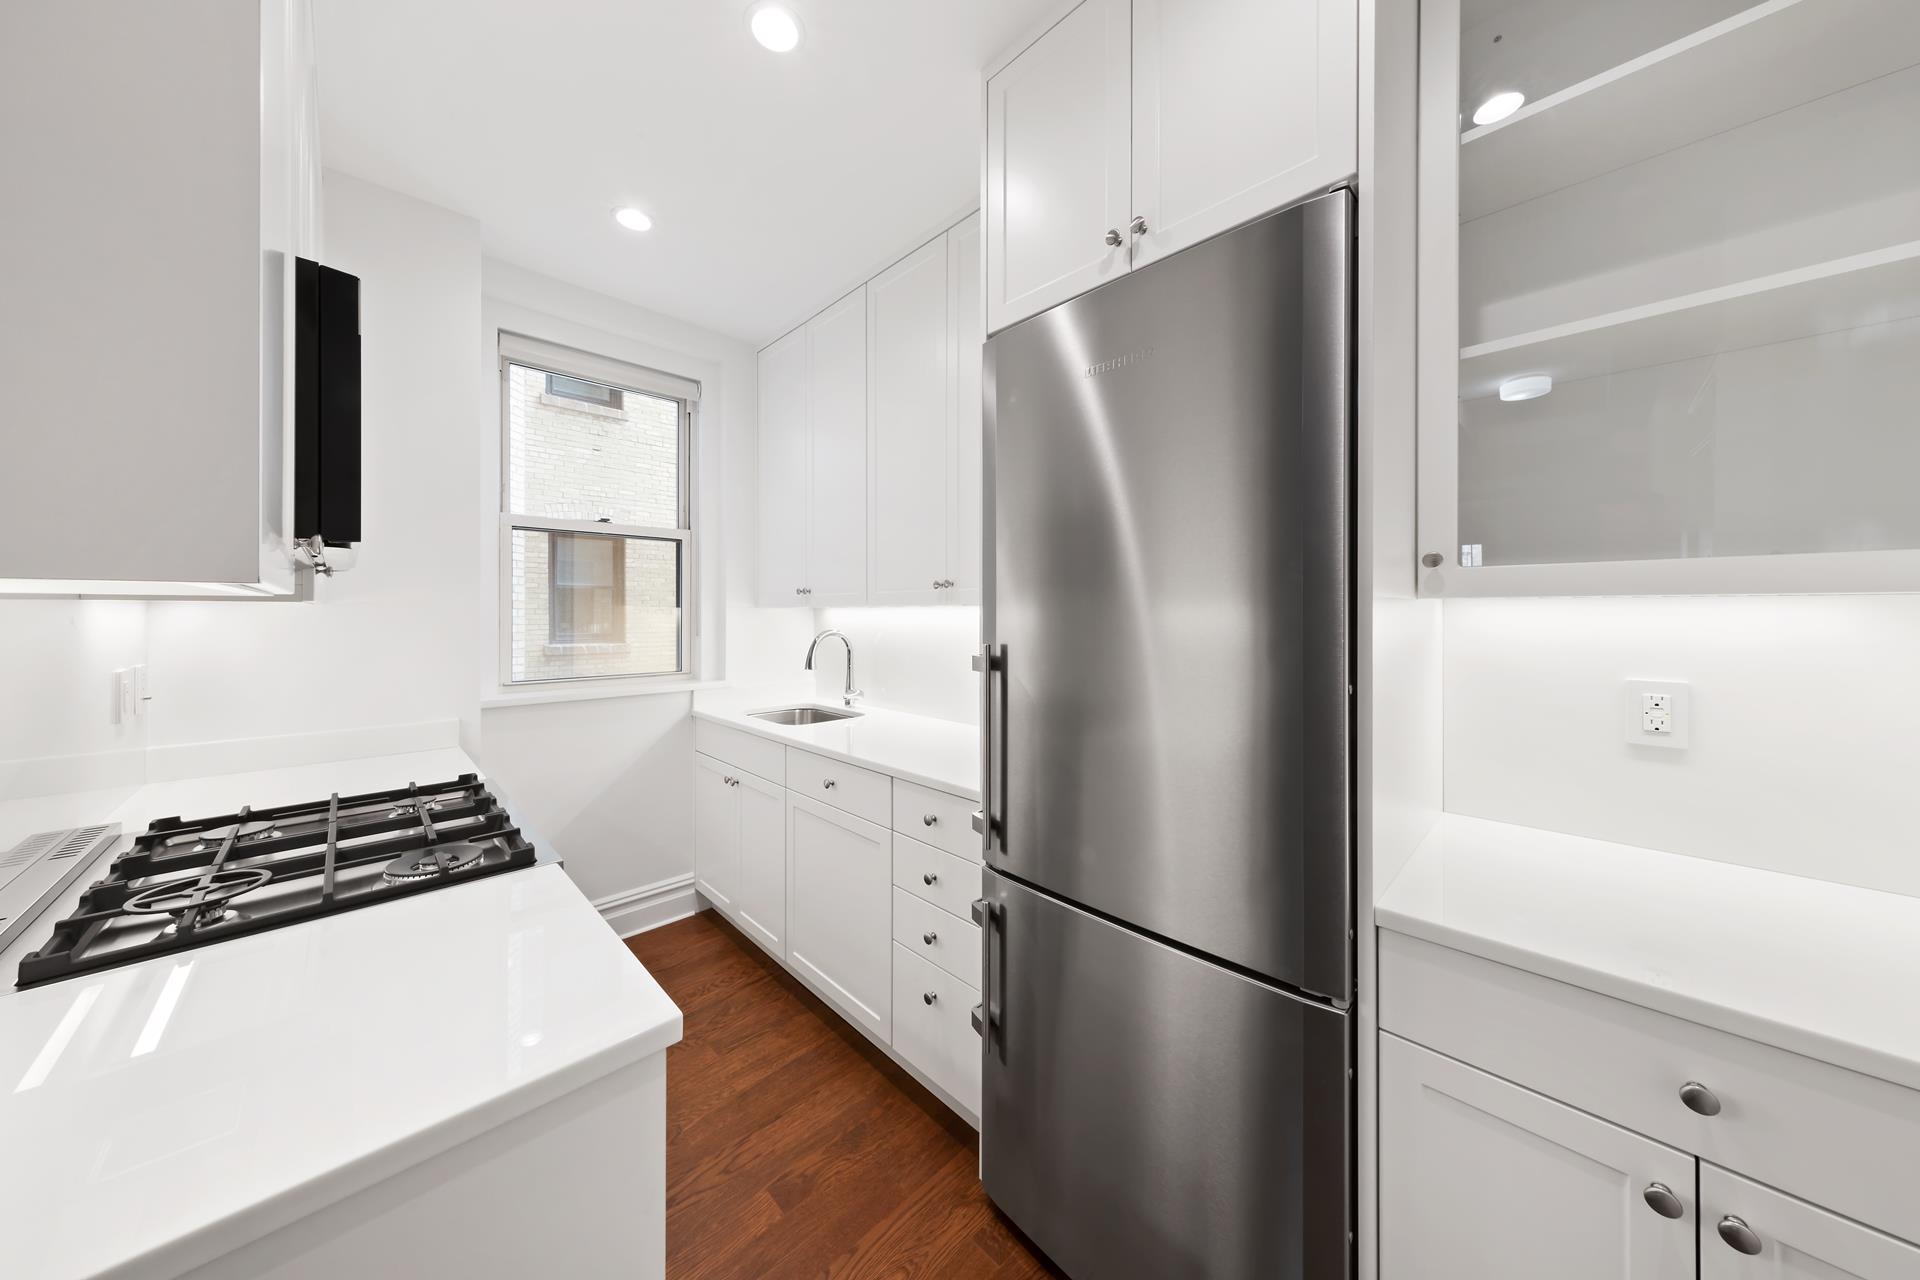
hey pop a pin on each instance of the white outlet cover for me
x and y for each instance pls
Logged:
(1634, 705)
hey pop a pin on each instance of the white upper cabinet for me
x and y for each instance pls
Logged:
(909, 364)
(1058, 159)
(1131, 129)
(161, 175)
(1669, 296)
(1239, 106)
(967, 495)
(837, 461)
(783, 471)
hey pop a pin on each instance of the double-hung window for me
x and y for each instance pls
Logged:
(596, 516)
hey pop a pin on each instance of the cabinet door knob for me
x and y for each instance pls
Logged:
(1114, 237)
(1433, 560)
(1663, 1202)
(1739, 1235)
(929, 996)
(1138, 226)
(828, 784)
(1699, 1098)
(928, 819)
(929, 937)
(929, 878)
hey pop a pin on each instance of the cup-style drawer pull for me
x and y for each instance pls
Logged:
(929, 996)
(1661, 1199)
(1738, 1235)
(1699, 1098)
(929, 937)
(928, 878)
(930, 819)
(828, 784)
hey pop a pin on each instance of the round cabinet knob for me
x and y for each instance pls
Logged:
(1138, 226)
(1661, 1200)
(1114, 237)
(928, 819)
(929, 996)
(929, 878)
(828, 784)
(1433, 559)
(929, 937)
(1699, 1098)
(1739, 1236)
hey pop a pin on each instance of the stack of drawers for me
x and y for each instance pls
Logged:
(936, 945)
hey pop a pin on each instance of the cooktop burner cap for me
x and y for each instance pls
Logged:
(431, 861)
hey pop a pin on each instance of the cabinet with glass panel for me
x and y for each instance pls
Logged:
(1669, 296)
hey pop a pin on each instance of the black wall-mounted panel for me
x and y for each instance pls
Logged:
(326, 484)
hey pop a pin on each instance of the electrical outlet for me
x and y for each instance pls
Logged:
(1656, 713)
(126, 702)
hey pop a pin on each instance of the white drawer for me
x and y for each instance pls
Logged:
(758, 756)
(943, 820)
(1847, 1141)
(861, 792)
(936, 935)
(933, 1026)
(950, 883)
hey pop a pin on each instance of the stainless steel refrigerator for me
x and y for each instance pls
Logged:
(1167, 813)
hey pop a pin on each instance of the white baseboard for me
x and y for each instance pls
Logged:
(285, 751)
(649, 906)
(122, 771)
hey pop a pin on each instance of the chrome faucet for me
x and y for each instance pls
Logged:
(851, 692)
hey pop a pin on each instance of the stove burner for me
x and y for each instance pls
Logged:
(219, 913)
(202, 897)
(434, 860)
(410, 808)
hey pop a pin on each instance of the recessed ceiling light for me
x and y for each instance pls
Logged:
(632, 219)
(775, 27)
(1531, 387)
(1499, 107)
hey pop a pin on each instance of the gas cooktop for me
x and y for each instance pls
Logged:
(186, 884)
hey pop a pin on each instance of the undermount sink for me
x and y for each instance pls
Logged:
(803, 715)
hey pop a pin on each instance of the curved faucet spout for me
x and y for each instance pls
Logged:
(851, 693)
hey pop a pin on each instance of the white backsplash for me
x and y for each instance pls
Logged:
(916, 660)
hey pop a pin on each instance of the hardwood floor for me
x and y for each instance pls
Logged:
(795, 1148)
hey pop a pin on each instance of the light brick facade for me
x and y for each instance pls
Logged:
(570, 459)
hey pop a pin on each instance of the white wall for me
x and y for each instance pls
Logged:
(1804, 741)
(393, 641)
(58, 731)
(609, 782)
(916, 660)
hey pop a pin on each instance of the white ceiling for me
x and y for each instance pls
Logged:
(774, 180)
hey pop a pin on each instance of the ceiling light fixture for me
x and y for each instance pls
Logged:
(1531, 387)
(775, 27)
(1499, 107)
(632, 219)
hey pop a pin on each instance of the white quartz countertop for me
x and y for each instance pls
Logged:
(160, 1114)
(1824, 970)
(941, 754)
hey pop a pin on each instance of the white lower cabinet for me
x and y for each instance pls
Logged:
(839, 890)
(716, 831)
(1751, 1232)
(1484, 1180)
(933, 1026)
(762, 896)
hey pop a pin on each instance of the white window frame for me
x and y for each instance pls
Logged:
(547, 357)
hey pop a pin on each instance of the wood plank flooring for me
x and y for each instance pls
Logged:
(795, 1148)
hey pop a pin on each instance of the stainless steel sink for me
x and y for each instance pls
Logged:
(803, 715)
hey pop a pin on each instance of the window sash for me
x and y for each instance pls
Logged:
(565, 362)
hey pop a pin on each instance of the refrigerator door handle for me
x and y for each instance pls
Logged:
(988, 663)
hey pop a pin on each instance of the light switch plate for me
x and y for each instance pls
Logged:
(1656, 713)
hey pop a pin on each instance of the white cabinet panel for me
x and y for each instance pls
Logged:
(1058, 141)
(940, 818)
(783, 469)
(837, 453)
(839, 890)
(1796, 1241)
(909, 364)
(844, 786)
(945, 939)
(949, 883)
(933, 1026)
(762, 896)
(716, 832)
(966, 495)
(1239, 107)
(1480, 1178)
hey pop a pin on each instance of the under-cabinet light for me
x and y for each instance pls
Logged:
(1499, 107)
(632, 219)
(1531, 387)
(775, 27)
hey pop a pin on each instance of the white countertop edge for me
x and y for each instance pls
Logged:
(774, 733)
(1746, 1022)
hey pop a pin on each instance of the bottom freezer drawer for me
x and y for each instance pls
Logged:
(1148, 1113)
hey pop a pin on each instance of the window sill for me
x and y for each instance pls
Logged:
(535, 697)
(583, 649)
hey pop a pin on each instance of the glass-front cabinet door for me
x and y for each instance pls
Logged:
(1670, 295)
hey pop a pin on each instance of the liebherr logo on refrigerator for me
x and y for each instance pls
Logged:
(1118, 362)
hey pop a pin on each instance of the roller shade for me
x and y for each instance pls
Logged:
(554, 358)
